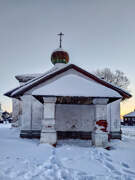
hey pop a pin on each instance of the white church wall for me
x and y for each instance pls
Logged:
(74, 117)
(109, 116)
(113, 116)
(26, 123)
(17, 110)
(37, 114)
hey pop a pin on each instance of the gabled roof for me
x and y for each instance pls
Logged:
(73, 85)
(56, 70)
(131, 114)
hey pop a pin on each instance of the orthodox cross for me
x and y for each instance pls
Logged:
(61, 34)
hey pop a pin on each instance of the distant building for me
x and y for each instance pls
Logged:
(129, 119)
(5, 115)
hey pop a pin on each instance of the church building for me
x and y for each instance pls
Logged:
(67, 102)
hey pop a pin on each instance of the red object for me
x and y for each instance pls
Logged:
(102, 123)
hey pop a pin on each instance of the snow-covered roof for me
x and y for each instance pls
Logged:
(74, 85)
(26, 77)
(131, 114)
(52, 70)
(56, 70)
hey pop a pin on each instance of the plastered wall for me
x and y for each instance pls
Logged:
(74, 117)
(113, 116)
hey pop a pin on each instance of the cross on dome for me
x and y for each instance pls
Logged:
(60, 55)
(61, 34)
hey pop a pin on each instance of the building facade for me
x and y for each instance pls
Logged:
(129, 119)
(67, 102)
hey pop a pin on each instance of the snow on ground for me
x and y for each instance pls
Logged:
(25, 159)
(128, 131)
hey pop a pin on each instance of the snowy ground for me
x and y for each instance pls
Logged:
(24, 159)
(128, 131)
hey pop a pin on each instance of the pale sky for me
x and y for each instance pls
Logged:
(98, 34)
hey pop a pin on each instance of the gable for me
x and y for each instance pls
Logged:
(45, 77)
(71, 84)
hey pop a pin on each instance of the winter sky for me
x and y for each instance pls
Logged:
(98, 34)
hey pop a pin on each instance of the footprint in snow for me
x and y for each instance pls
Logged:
(7, 157)
(112, 168)
(129, 172)
(107, 154)
(108, 159)
(125, 165)
(18, 158)
(117, 172)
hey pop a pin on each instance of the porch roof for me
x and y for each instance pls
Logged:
(19, 91)
(73, 85)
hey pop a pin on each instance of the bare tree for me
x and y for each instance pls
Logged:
(117, 78)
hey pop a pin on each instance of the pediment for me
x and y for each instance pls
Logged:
(75, 85)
